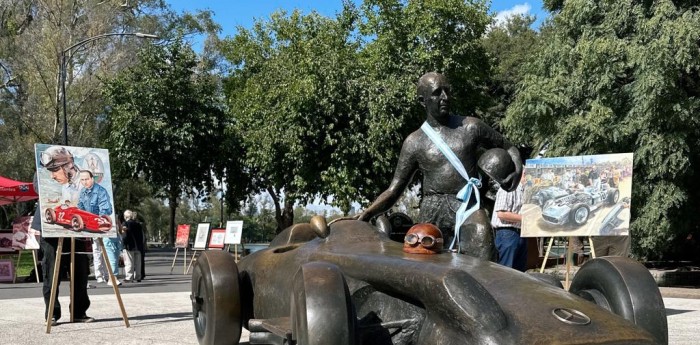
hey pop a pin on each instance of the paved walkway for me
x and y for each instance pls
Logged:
(166, 318)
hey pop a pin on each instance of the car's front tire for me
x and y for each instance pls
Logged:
(613, 196)
(321, 309)
(626, 288)
(50, 216)
(216, 299)
(579, 214)
(76, 222)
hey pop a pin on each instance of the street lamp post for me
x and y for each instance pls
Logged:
(63, 67)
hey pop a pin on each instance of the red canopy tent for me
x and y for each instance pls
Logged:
(12, 191)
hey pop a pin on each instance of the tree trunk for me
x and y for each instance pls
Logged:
(284, 218)
(172, 200)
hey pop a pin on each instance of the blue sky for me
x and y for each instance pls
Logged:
(230, 14)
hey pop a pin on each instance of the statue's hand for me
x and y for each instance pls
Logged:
(362, 216)
(511, 182)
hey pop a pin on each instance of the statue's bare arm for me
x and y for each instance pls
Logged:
(405, 169)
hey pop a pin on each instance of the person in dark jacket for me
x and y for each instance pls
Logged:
(49, 246)
(133, 244)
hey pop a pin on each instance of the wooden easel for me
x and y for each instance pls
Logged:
(235, 251)
(569, 257)
(36, 268)
(184, 261)
(56, 273)
(194, 257)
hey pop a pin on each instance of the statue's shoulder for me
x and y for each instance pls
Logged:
(414, 140)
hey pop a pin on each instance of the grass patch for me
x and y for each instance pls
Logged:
(26, 263)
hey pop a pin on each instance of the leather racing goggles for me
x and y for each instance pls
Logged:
(427, 241)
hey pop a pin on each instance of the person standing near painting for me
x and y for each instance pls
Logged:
(506, 221)
(60, 163)
(98, 263)
(133, 244)
(144, 246)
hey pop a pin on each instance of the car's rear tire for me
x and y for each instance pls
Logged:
(216, 299)
(613, 197)
(579, 214)
(626, 288)
(321, 307)
(76, 223)
(50, 216)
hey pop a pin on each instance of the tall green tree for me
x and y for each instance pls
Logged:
(290, 92)
(33, 35)
(334, 98)
(508, 45)
(166, 121)
(622, 76)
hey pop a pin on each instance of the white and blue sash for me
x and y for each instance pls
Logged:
(465, 194)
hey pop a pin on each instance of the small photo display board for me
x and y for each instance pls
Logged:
(21, 236)
(75, 190)
(577, 196)
(6, 237)
(7, 271)
(182, 238)
(216, 240)
(200, 240)
(234, 231)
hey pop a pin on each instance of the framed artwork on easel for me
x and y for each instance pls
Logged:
(183, 236)
(577, 196)
(234, 231)
(200, 240)
(216, 240)
(63, 173)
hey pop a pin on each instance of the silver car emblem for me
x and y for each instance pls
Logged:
(571, 316)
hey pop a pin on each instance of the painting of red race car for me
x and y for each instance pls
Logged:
(77, 220)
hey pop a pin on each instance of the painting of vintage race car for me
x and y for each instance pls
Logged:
(574, 207)
(348, 283)
(76, 219)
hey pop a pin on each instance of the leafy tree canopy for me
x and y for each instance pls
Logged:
(508, 47)
(323, 104)
(622, 76)
(166, 121)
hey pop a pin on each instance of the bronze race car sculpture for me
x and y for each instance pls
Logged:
(349, 283)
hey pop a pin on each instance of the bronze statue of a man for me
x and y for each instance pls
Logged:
(442, 182)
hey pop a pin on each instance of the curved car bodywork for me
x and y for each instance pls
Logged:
(612, 221)
(77, 219)
(575, 207)
(547, 193)
(401, 298)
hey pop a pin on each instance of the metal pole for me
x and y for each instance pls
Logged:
(222, 209)
(63, 97)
